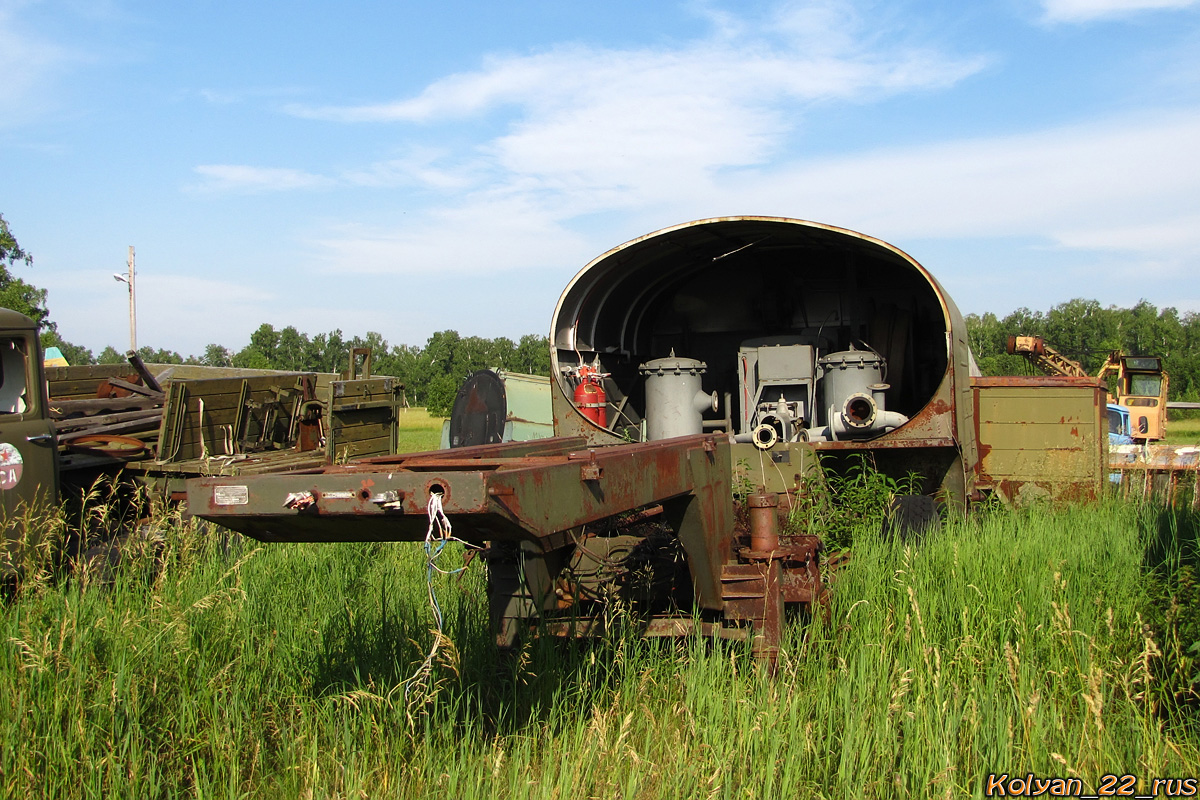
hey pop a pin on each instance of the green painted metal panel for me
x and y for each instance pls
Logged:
(528, 398)
(1051, 437)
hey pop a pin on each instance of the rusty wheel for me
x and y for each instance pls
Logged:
(112, 446)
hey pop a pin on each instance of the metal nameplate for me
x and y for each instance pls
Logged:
(231, 495)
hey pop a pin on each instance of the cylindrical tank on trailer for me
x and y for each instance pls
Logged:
(882, 330)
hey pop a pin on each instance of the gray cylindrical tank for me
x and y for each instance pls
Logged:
(847, 373)
(675, 403)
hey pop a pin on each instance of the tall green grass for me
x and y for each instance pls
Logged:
(1016, 642)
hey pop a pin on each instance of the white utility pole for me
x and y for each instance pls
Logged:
(130, 280)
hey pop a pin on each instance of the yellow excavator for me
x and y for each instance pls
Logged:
(1141, 383)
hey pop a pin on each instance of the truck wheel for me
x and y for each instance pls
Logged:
(520, 587)
(101, 562)
(910, 517)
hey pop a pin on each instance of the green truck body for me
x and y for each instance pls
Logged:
(62, 428)
(29, 463)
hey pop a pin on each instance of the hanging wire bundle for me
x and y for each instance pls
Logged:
(437, 536)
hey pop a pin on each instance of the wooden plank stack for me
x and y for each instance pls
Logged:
(108, 399)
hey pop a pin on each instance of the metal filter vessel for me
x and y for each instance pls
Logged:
(848, 373)
(675, 403)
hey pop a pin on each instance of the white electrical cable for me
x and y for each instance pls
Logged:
(439, 523)
(436, 536)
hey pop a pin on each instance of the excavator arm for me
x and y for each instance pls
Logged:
(1045, 357)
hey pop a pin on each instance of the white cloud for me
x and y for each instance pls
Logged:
(423, 167)
(242, 178)
(1122, 196)
(1109, 210)
(1179, 233)
(487, 235)
(700, 130)
(817, 55)
(419, 169)
(600, 130)
(28, 63)
(1102, 185)
(226, 97)
(176, 311)
(606, 129)
(1088, 10)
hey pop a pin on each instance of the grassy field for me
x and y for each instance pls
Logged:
(419, 431)
(1047, 642)
(1183, 430)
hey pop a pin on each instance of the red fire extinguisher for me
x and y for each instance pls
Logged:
(590, 398)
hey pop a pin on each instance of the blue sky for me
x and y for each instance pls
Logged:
(406, 168)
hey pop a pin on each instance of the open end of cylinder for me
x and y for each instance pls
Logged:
(860, 411)
(765, 437)
(774, 308)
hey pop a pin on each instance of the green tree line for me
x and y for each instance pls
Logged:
(1087, 332)
(431, 374)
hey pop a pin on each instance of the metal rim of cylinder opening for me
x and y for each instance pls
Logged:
(609, 310)
(109, 445)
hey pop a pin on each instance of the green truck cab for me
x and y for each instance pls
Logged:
(162, 426)
(28, 449)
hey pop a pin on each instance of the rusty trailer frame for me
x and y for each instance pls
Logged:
(1170, 473)
(539, 496)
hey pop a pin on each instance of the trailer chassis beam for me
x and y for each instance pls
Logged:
(538, 492)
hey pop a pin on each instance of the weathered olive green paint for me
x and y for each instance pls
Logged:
(28, 462)
(1041, 437)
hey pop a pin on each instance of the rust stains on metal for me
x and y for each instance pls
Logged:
(1040, 437)
(888, 444)
(764, 520)
(519, 491)
(1160, 470)
(1025, 381)
(938, 406)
